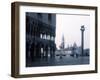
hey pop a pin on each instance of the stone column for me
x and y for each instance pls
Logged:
(82, 39)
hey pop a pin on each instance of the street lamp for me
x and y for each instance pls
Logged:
(82, 39)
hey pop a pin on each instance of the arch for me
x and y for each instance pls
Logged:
(33, 51)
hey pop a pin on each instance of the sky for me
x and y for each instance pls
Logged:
(69, 26)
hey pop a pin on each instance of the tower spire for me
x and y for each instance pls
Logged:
(63, 41)
(62, 46)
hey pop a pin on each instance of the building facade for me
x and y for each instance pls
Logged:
(40, 35)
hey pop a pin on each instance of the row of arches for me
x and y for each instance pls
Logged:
(40, 50)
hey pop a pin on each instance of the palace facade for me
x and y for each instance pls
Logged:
(40, 35)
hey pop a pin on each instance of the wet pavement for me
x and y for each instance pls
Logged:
(58, 61)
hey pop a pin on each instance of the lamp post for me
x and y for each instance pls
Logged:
(82, 39)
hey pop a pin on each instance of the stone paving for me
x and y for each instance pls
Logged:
(58, 60)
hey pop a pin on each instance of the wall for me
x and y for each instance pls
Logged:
(5, 40)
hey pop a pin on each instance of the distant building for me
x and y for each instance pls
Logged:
(74, 51)
(40, 35)
(86, 52)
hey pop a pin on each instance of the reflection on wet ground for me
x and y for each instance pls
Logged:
(58, 60)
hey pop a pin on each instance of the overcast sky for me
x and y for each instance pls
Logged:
(69, 26)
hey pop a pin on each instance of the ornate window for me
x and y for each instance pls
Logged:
(52, 38)
(49, 18)
(48, 37)
(44, 36)
(39, 15)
